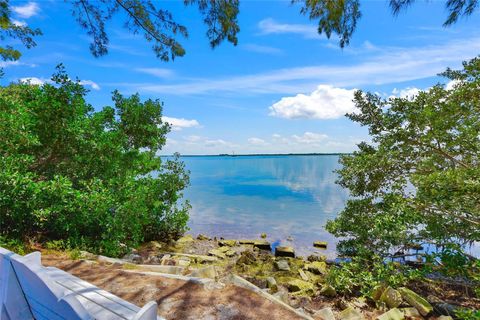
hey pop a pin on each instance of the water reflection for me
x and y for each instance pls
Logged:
(241, 197)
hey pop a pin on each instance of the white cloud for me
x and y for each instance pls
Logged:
(385, 65)
(90, 83)
(326, 102)
(40, 81)
(157, 72)
(306, 142)
(409, 92)
(216, 143)
(18, 23)
(270, 26)
(181, 123)
(262, 49)
(257, 141)
(310, 138)
(33, 80)
(26, 11)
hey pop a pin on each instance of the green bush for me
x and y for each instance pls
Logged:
(360, 276)
(90, 178)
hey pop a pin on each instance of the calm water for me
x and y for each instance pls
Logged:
(283, 196)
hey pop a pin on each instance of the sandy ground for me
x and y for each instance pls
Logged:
(176, 299)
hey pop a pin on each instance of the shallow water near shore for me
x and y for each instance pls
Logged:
(287, 197)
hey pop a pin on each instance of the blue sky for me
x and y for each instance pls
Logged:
(283, 89)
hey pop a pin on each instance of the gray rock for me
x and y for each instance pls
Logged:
(207, 272)
(133, 257)
(350, 314)
(262, 245)
(392, 314)
(324, 314)
(282, 265)
(272, 284)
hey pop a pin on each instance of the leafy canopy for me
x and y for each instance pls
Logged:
(419, 179)
(159, 27)
(90, 178)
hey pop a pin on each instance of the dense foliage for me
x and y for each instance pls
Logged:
(419, 179)
(71, 173)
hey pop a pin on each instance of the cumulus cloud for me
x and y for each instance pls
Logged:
(270, 26)
(310, 138)
(409, 92)
(181, 123)
(40, 81)
(26, 11)
(216, 143)
(33, 80)
(257, 141)
(326, 102)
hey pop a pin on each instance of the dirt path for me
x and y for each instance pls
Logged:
(176, 299)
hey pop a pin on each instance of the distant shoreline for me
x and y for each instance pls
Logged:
(259, 154)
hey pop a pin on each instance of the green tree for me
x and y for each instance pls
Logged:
(9, 30)
(419, 179)
(159, 27)
(91, 178)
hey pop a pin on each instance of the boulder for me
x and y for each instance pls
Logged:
(133, 257)
(246, 257)
(284, 252)
(229, 243)
(320, 244)
(377, 292)
(223, 249)
(296, 285)
(262, 245)
(185, 239)
(411, 313)
(207, 272)
(282, 296)
(316, 257)
(263, 235)
(392, 314)
(324, 314)
(203, 237)
(328, 291)
(303, 275)
(391, 297)
(230, 253)
(350, 314)
(416, 301)
(444, 318)
(217, 253)
(317, 267)
(272, 284)
(282, 265)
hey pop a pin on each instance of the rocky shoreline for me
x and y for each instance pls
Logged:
(295, 282)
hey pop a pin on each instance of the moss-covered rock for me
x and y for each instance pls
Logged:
(328, 291)
(272, 284)
(263, 235)
(317, 267)
(229, 243)
(392, 314)
(203, 237)
(350, 314)
(416, 301)
(391, 297)
(284, 252)
(246, 241)
(377, 292)
(262, 245)
(296, 285)
(282, 265)
(217, 253)
(320, 244)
